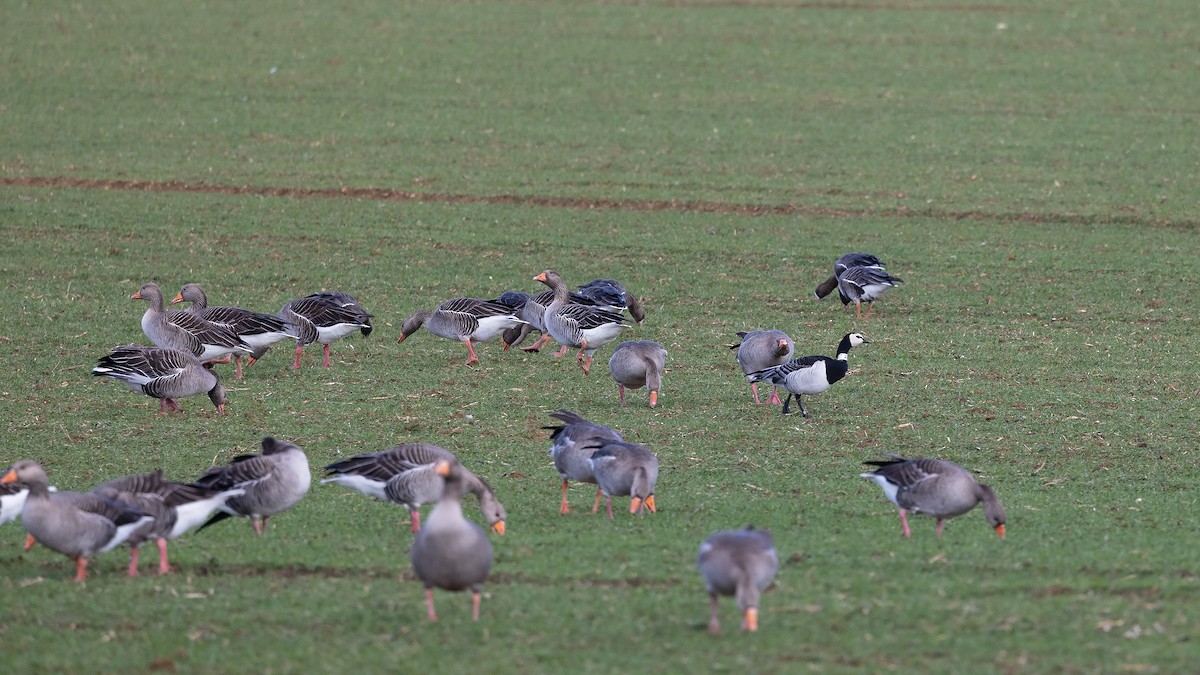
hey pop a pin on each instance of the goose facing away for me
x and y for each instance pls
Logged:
(761, 349)
(626, 469)
(274, 482)
(810, 374)
(638, 363)
(575, 325)
(405, 475)
(256, 329)
(571, 447)
(741, 563)
(612, 295)
(936, 488)
(176, 507)
(451, 552)
(843, 263)
(185, 331)
(77, 525)
(324, 318)
(165, 374)
(865, 284)
(465, 320)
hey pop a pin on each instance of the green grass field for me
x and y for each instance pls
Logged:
(1029, 169)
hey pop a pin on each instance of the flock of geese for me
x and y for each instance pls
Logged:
(449, 551)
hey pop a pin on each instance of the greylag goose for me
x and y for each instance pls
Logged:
(810, 374)
(936, 488)
(843, 263)
(185, 331)
(638, 363)
(626, 469)
(405, 475)
(165, 374)
(575, 325)
(176, 508)
(865, 284)
(465, 320)
(76, 525)
(256, 329)
(571, 447)
(451, 552)
(325, 318)
(610, 294)
(274, 482)
(740, 563)
(760, 349)
(531, 309)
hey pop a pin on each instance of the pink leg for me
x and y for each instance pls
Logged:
(858, 306)
(164, 565)
(565, 508)
(238, 362)
(621, 394)
(326, 363)
(299, 351)
(172, 404)
(29, 541)
(429, 604)
(754, 390)
(714, 626)
(904, 523)
(608, 501)
(561, 351)
(939, 527)
(870, 306)
(81, 564)
(133, 561)
(475, 605)
(541, 342)
(259, 527)
(414, 517)
(596, 506)
(471, 358)
(775, 396)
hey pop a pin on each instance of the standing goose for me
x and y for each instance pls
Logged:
(274, 482)
(185, 331)
(465, 320)
(176, 507)
(638, 363)
(258, 330)
(574, 325)
(165, 374)
(760, 349)
(571, 447)
(843, 263)
(936, 488)
(77, 525)
(740, 563)
(810, 374)
(324, 318)
(865, 284)
(451, 552)
(405, 475)
(626, 469)
(532, 310)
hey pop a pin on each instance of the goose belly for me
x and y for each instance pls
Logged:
(601, 335)
(813, 379)
(491, 326)
(328, 334)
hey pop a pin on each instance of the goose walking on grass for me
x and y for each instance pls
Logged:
(571, 447)
(636, 364)
(865, 284)
(741, 563)
(465, 320)
(405, 475)
(936, 488)
(273, 482)
(165, 374)
(176, 507)
(574, 325)
(843, 263)
(626, 469)
(76, 525)
(256, 329)
(451, 552)
(324, 318)
(761, 349)
(810, 374)
(186, 331)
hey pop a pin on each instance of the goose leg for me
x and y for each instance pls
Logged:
(904, 523)
(81, 564)
(429, 604)
(754, 390)
(299, 351)
(172, 404)
(565, 508)
(164, 565)
(237, 360)
(608, 501)
(870, 306)
(621, 394)
(133, 561)
(471, 358)
(774, 400)
(714, 625)
(541, 342)
(858, 306)
(803, 412)
(786, 404)
(326, 363)
(939, 527)
(596, 506)
(29, 541)
(475, 597)
(414, 517)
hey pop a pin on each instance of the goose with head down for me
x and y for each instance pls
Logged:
(741, 563)
(636, 364)
(935, 488)
(324, 318)
(165, 374)
(626, 469)
(760, 349)
(571, 448)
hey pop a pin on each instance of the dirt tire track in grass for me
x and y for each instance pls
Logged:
(580, 203)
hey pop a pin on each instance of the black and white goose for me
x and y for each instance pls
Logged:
(810, 374)
(325, 318)
(843, 263)
(465, 320)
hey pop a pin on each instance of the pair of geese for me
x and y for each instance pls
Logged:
(187, 342)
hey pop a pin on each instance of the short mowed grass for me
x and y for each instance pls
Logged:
(1029, 171)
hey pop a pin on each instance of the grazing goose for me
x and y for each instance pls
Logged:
(626, 469)
(465, 320)
(165, 374)
(810, 374)
(77, 525)
(760, 349)
(258, 330)
(865, 284)
(531, 309)
(405, 475)
(186, 331)
(841, 265)
(611, 295)
(936, 488)
(740, 563)
(325, 318)
(575, 325)
(572, 445)
(176, 508)
(638, 363)
(451, 552)
(274, 482)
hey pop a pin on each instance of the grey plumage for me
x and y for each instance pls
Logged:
(324, 318)
(575, 325)
(626, 469)
(810, 374)
(185, 331)
(741, 563)
(843, 263)
(761, 349)
(934, 487)
(571, 447)
(165, 374)
(256, 329)
(274, 482)
(638, 363)
(466, 320)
